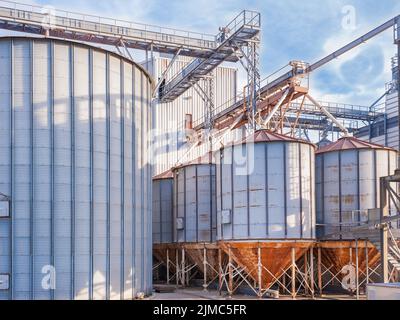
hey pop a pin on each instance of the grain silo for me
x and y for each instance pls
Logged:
(347, 182)
(265, 199)
(195, 218)
(74, 174)
(163, 188)
(348, 174)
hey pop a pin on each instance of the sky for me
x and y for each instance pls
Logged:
(292, 30)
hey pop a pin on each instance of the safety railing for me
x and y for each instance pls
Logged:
(49, 17)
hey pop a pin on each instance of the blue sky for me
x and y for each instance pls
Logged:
(292, 30)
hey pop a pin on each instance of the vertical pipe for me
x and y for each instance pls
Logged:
(197, 201)
(266, 188)
(301, 190)
(358, 189)
(312, 204)
(233, 192)
(184, 206)
(221, 166)
(384, 230)
(398, 87)
(285, 189)
(211, 186)
(340, 194)
(293, 274)
(324, 231)
(248, 192)
(205, 268)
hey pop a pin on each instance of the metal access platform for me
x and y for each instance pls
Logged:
(89, 28)
(209, 51)
(238, 33)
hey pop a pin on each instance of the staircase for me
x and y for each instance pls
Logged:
(393, 248)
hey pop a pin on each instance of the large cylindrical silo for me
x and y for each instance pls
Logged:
(195, 202)
(163, 189)
(74, 121)
(347, 182)
(265, 189)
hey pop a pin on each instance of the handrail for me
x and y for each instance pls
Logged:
(98, 19)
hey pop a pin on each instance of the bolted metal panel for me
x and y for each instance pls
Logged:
(163, 210)
(347, 185)
(74, 120)
(267, 189)
(195, 204)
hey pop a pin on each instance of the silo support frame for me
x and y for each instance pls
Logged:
(184, 261)
(334, 256)
(260, 275)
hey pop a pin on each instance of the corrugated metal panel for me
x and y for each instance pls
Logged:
(163, 210)
(194, 204)
(170, 139)
(77, 172)
(348, 184)
(266, 190)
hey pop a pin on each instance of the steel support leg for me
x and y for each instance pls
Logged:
(319, 267)
(205, 285)
(230, 270)
(293, 268)
(168, 267)
(312, 272)
(260, 285)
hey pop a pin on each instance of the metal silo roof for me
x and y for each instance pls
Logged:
(261, 136)
(165, 175)
(351, 143)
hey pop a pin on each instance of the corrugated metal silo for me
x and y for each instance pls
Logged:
(73, 163)
(347, 181)
(195, 202)
(266, 210)
(265, 189)
(163, 189)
